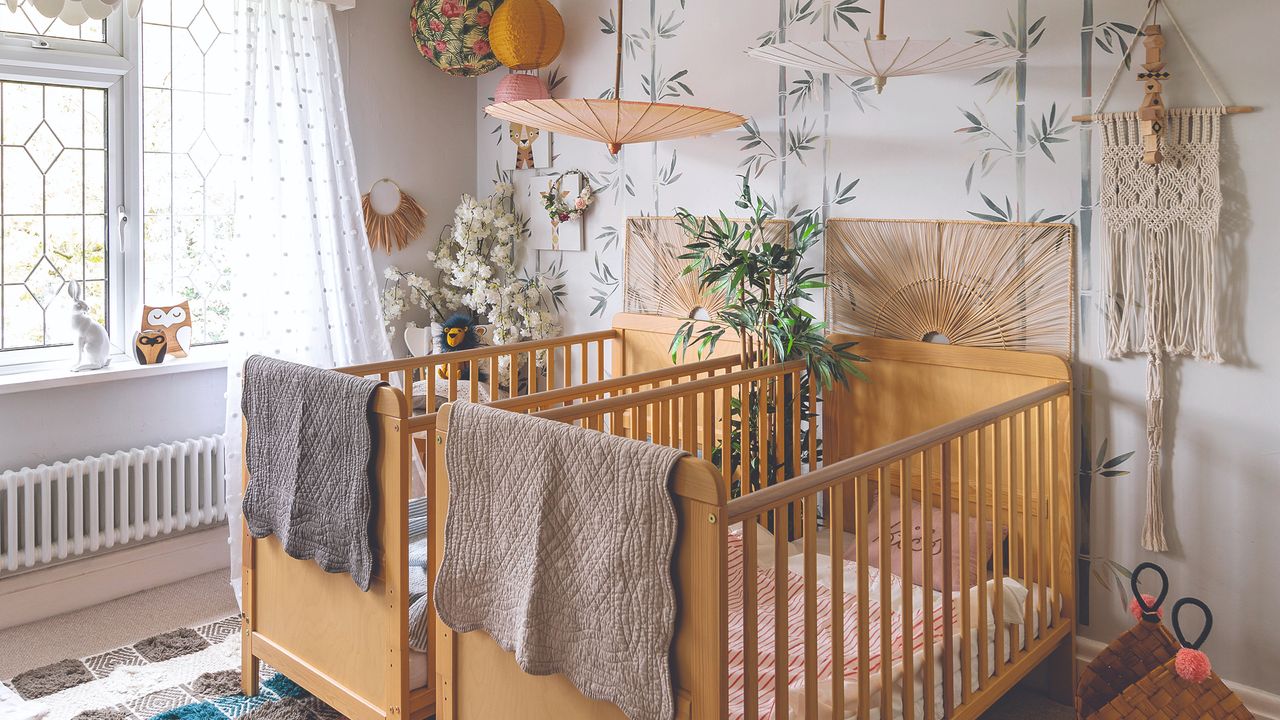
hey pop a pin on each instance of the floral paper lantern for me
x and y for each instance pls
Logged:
(527, 34)
(518, 86)
(454, 34)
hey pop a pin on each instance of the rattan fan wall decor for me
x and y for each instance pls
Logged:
(653, 277)
(983, 284)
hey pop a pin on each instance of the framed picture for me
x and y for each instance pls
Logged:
(570, 235)
(524, 148)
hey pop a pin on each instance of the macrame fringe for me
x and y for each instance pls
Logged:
(1162, 238)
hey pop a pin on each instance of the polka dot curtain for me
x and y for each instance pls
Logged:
(303, 282)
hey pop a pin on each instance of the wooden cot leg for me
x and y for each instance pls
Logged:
(248, 662)
(1062, 672)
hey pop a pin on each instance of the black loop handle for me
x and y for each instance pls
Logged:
(1177, 626)
(1150, 613)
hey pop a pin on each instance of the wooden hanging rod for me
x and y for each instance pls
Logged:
(1231, 110)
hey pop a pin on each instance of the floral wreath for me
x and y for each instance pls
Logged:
(556, 201)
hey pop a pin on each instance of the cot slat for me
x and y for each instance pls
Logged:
(750, 621)
(966, 617)
(908, 625)
(982, 463)
(781, 619)
(861, 509)
(836, 546)
(1044, 573)
(886, 587)
(999, 491)
(926, 517)
(1028, 554)
(948, 633)
(810, 511)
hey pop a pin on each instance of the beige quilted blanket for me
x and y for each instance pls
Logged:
(558, 543)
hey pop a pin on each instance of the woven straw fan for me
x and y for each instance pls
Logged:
(395, 230)
(982, 284)
(653, 275)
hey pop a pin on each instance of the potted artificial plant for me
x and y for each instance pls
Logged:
(764, 285)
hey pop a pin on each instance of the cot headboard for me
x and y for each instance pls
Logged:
(645, 344)
(916, 386)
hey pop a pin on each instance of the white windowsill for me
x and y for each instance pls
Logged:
(122, 367)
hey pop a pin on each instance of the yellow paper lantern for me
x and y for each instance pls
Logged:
(526, 34)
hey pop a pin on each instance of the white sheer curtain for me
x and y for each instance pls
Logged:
(304, 286)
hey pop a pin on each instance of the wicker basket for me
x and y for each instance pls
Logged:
(1130, 657)
(1165, 695)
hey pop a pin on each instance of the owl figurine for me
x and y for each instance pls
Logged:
(172, 320)
(150, 347)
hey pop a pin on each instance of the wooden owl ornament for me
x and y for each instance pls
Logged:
(150, 347)
(172, 320)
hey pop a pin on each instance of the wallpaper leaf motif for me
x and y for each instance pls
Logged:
(1109, 574)
(801, 11)
(845, 11)
(1005, 77)
(606, 285)
(1116, 37)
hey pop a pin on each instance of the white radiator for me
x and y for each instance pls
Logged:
(73, 508)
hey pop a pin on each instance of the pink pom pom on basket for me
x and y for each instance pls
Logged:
(518, 86)
(1192, 665)
(1136, 610)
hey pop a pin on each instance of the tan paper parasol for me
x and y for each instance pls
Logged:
(882, 58)
(616, 122)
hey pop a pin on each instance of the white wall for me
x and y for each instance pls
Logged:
(409, 121)
(1224, 458)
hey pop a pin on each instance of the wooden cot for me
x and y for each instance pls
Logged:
(977, 433)
(351, 648)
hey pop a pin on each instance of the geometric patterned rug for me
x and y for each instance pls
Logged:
(184, 674)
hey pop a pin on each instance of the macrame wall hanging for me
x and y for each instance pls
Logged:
(1161, 200)
(396, 229)
(980, 284)
(654, 280)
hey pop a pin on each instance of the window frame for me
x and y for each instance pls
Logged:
(114, 66)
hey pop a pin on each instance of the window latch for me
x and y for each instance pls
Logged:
(122, 219)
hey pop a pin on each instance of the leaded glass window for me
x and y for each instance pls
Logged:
(26, 20)
(53, 222)
(187, 168)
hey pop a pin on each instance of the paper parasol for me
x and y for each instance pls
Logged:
(883, 59)
(614, 121)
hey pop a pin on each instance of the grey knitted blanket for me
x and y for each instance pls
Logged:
(309, 449)
(558, 543)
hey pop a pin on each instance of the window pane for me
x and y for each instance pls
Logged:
(52, 214)
(27, 20)
(186, 108)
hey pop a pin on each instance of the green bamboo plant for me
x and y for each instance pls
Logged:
(764, 285)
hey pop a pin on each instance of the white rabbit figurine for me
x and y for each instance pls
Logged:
(91, 337)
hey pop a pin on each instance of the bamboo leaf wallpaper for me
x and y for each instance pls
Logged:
(996, 144)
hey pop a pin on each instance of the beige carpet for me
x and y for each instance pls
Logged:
(120, 622)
